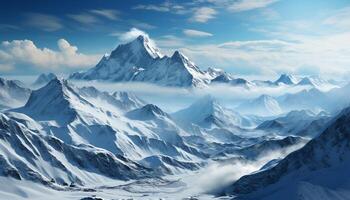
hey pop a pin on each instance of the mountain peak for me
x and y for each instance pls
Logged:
(178, 56)
(44, 79)
(286, 79)
(264, 105)
(144, 42)
(147, 112)
(140, 61)
(55, 101)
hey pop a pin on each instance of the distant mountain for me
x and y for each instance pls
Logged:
(229, 79)
(307, 99)
(264, 105)
(286, 79)
(43, 79)
(141, 61)
(316, 100)
(317, 171)
(149, 111)
(299, 122)
(12, 94)
(208, 113)
(315, 81)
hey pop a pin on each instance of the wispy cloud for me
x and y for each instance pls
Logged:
(143, 25)
(168, 42)
(131, 34)
(6, 67)
(340, 19)
(94, 16)
(44, 22)
(159, 8)
(203, 14)
(163, 7)
(134, 33)
(84, 18)
(196, 33)
(25, 52)
(316, 53)
(107, 13)
(9, 27)
(245, 5)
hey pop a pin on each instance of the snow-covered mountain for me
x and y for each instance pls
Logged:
(316, 100)
(229, 79)
(319, 170)
(286, 79)
(28, 153)
(43, 79)
(119, 122)
(264, 105)
(312, 99)
(12, 94)
(299, 122)
(141, 61)
(315, 81)
(208, 113)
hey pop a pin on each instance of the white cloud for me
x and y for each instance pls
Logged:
(167, 42)
(245, 5)
(9, 27)
(159, 8)
(43, 21)
(132, 34)
(25, 52)
(6, 67)
(143, 25)
(327, 55)
(196, 33)
(84, 18)
(107, 13)
(163, 7)
(340, 19)
(203, 14)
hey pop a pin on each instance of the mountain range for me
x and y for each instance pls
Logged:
(141, 61)
(67, 138)
(316, 171)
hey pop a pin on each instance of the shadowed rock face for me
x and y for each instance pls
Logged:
(330, 149)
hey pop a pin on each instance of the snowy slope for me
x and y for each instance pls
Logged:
(141, 61)
(87, 116)
(286, 79)
(12, 94)
(312, 99)
(316, 100)
(208, 113)
(299, 122)
(315, 81)
(264, 105)
(229, 79)
(319, 170)
(28, 153)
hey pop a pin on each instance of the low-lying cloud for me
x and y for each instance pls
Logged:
(172, 99)
(217, 176)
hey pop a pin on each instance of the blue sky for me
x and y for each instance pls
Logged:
(245, 37)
